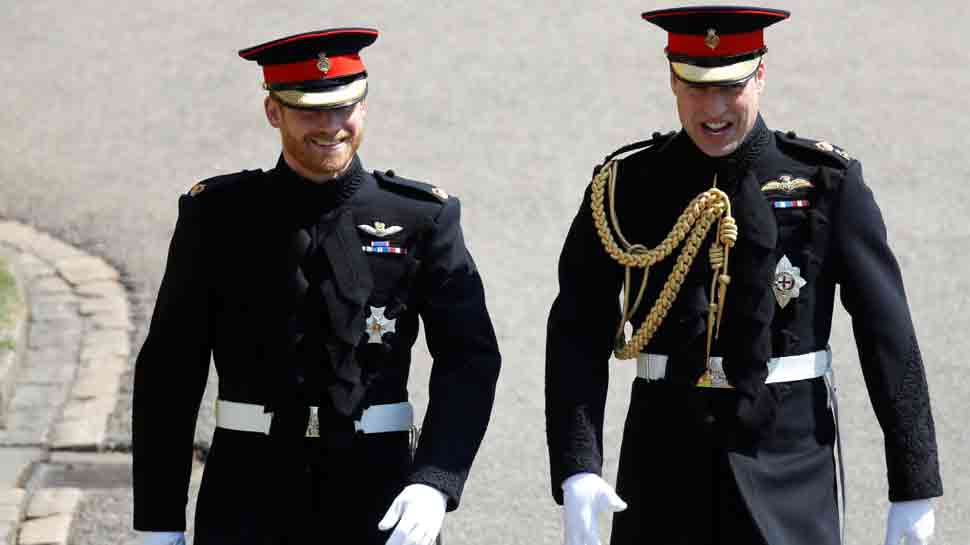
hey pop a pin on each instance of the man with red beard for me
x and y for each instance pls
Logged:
(731, 429)
(305, 283)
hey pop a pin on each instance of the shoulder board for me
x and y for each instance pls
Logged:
(393, 182)
(819, 149)
(222, 182)
(656, 141)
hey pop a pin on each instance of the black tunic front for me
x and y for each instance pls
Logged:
(268, 273)
(753, 464)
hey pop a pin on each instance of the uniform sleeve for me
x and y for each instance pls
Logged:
(466, 360)
(871, 289)
(170, 377)
(579, 340)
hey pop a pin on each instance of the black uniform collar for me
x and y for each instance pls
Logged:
(315, 197)
(731, 167)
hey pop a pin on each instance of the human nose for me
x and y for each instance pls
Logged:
(331, 120)
(715, 103)
(328, 121)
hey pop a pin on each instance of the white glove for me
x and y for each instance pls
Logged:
(585, 495)
(161, 538)
(418, 512)
(912, 520)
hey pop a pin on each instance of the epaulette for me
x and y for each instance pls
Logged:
(221, 182)
(831, 154)
(393, 182)
(656, 141)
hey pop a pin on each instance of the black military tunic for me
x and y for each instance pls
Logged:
(270, 273)
(752, 464)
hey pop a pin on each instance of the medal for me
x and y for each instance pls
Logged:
(800, 203)
(788, 282)
(377, 325)
(383, 247)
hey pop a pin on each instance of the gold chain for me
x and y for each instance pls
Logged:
(692, 226)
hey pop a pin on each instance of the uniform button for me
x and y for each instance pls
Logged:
(791, 134)
(389, 173)
(709, 419)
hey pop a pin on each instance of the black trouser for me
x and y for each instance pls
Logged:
(259, 491)
(692, 476)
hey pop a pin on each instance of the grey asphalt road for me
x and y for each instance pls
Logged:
(111, 110)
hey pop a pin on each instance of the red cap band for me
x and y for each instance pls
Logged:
(311, 69)
(727, 45)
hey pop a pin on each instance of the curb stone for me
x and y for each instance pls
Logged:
(49, 516)
(64, 379)
(15, 333)
(11, 511)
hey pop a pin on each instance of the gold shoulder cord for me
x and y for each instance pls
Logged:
(692, 225)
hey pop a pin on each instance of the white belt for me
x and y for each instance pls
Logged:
(783, 369)
(233, 415)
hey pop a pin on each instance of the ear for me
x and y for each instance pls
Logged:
(673, 82)
(759, 76)
(274, 111)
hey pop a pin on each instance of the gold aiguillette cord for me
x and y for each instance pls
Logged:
(690, 229)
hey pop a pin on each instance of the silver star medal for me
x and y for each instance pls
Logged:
(788, 281)
(377, 325)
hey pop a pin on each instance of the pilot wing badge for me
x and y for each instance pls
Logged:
(380, 229)
(786, 184)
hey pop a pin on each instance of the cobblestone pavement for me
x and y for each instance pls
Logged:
(71, 350)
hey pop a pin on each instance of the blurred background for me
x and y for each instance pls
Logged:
(112, 110)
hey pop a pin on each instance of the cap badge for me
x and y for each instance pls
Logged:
(440, 193)
(788, 282)
(712, 39)
(380, 229)
(787, 184)
(323, 63)
(377, 325)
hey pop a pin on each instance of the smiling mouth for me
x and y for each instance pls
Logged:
(716, 128)
(327, 143)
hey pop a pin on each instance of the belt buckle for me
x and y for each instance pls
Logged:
(714, 376)
(313, 423)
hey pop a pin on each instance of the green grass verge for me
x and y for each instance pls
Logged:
(9, 301)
